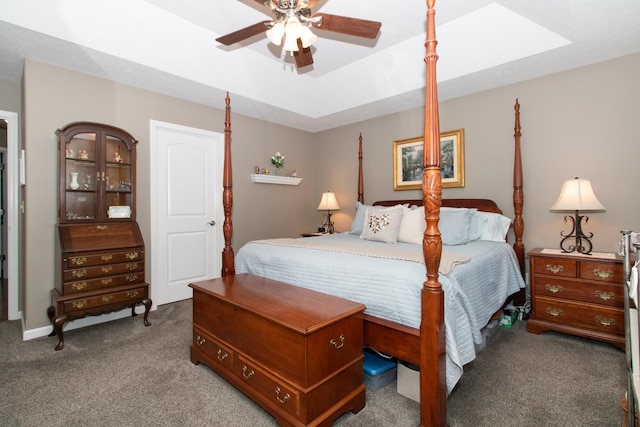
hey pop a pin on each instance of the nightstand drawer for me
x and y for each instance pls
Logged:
(580, 315)
(601, 271)
(556, 267)
(597, 293)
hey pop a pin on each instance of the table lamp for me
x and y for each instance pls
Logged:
(577, 195)
(328, 203)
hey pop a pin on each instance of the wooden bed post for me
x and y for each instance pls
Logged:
(360, 179)
(228, 267)
(433, 388)
(518, 197)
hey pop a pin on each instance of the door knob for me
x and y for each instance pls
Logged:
(212, 223)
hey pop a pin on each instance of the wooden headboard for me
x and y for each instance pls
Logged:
(484, 205)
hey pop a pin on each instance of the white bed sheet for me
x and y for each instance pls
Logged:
(390, 288)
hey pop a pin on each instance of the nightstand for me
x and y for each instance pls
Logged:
(581, 295)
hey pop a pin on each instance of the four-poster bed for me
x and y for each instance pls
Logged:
(423, 345)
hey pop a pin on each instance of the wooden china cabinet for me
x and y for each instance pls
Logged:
(100, 255)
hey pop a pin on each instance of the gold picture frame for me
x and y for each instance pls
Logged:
(408, 161)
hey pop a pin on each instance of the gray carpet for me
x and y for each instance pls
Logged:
(124, 374)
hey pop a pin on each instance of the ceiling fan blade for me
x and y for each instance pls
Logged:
(245, 33)
(302, 55)
(350, 26)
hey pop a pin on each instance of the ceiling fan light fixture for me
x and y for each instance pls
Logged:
(307, 36)
(290, 44)
(275, 33)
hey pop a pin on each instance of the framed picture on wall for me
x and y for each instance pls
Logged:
(408, 161)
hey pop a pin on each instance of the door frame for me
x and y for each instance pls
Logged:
(154, 126)
(13, 212)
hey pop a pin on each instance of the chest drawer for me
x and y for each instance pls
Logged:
(580, 315)
(86, 260)
(555, 267)
(222, 354)
(116, 297)
(601, 271)
(593, 292)
(102, 270)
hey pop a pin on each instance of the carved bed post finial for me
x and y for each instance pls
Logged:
(433, 394)
(228, 267)
(360, 179)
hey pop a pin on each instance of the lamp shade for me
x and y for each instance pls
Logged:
(577, 195)
(328, 202)
(275, 33)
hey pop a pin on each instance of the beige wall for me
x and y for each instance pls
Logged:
(577, 123)
(54, 97)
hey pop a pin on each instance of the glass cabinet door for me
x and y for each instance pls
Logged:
(81, 177)
(97, 173)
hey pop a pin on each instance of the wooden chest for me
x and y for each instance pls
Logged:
(579, 295)
(295, 352)
(100, 269)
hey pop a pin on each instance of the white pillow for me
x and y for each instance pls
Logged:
(358, 219)
(412, 225)
(382, 225)
(496, 227)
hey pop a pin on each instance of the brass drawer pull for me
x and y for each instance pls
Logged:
(80, 304)
(79, 286)
(222, 355)
(246, 374)
(132, 294)
(106, 282)
(555, 312)
(132, 266)
(555, 269)
(107, 298)
(553, 288)
(605, 322)
(132, 255)
(102, 227)
(284, 399)
(131, 277)
(79, 273)
(603, 274)
(107, 269)
(200, 340)
(605, 295)
(107, 257)
(79, 260)
(335, 344)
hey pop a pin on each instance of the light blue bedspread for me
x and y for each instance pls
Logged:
(390, 288)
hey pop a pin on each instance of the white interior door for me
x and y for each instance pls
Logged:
(186, 186)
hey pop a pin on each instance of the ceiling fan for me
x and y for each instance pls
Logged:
(292, 28)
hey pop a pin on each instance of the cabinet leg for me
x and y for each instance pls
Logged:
(58, 322)
(147, 307)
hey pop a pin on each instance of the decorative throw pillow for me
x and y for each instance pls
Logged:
(382, 225)
(412, 225)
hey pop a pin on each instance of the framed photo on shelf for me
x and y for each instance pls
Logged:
(408, 161)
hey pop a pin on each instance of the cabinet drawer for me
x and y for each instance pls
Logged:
(86, 260)
(103, 282)
(594, 292)
(601, 271)
(580, 315)
(555, 267)
(103, 270)
(81, 304)
(283, 396)
(219, 353)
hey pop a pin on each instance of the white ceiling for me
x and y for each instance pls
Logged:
(168, 46)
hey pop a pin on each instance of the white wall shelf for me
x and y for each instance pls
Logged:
(274, 179)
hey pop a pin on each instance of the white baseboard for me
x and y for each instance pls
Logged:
(80, 323)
